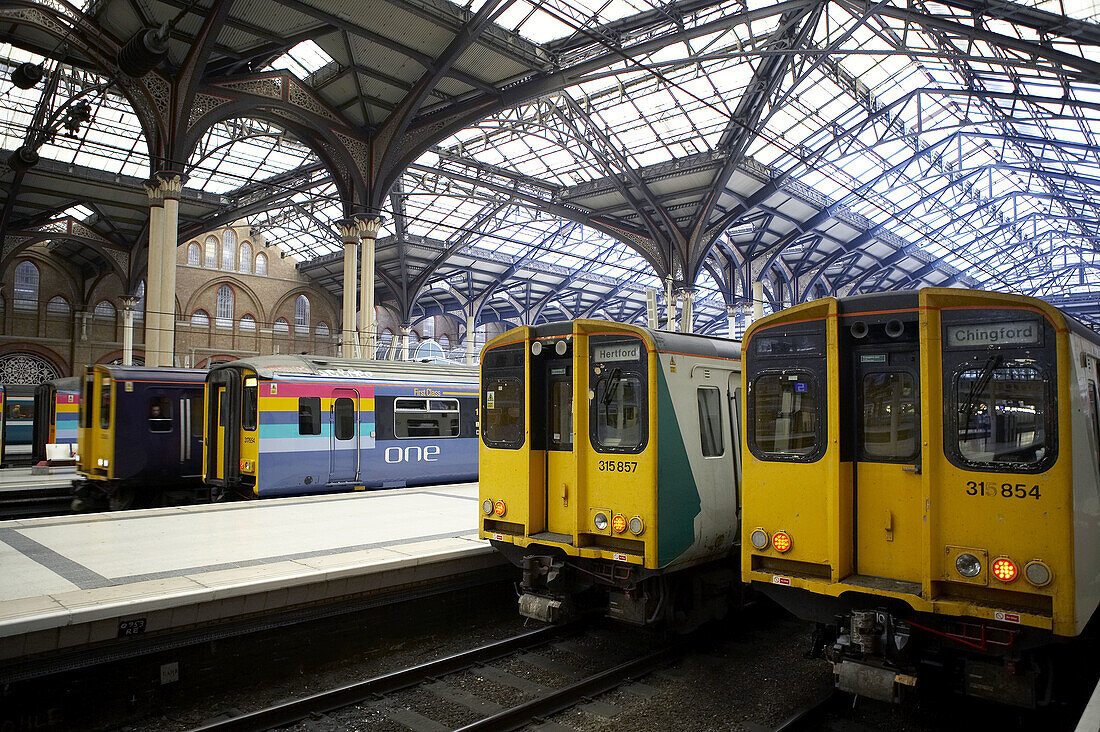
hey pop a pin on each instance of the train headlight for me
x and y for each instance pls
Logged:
(600, 521)
(968, 565)
(1037, 573)
(487, 507)
(619, 523)
(499, 508)
(637, 526)
(759, 538)
(1005, 569)
(782, 542)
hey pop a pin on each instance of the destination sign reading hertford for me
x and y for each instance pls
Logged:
(1012, 333)
(616, 352)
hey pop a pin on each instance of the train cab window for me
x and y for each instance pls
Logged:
(1002, 414)
(249, 405)
(344, 423)
(503, 396)
(197, 416)
(784, 416)
(620, 416)
(160, 414)
(309, 415)
(890, 422)
(86, 402)
(414, 418)
(711, 439)
(105, 403)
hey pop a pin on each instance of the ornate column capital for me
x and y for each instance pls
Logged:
(129, 301)
(169, 182)
(369, 224)
(349, 230)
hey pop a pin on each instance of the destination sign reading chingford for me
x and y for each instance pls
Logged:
(1013, 333)
(617, 352)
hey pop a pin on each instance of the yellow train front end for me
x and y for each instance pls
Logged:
(95, 435)
(909, 485)
(568, 464)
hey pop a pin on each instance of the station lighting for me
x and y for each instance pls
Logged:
(1005, 569)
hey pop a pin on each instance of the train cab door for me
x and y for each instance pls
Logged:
(888, 512)
(344, 438)
(561, 464)
(219, 413)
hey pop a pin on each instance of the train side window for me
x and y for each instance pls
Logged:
(1095, 413)
(620, 416)
(344, 410)
(711, 439)
(413, 418)
(1001, 417)
(309, 415)
(105, 403)
(197, 415)
(784, 419)
(160, 414)
(249, 406)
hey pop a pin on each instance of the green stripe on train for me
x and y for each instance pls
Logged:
(678, 501)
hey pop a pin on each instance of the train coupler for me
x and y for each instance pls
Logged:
(544, 609)
(870, 655)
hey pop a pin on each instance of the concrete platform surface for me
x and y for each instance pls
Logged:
(71, 581)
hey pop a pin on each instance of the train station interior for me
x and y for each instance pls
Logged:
(311, 188)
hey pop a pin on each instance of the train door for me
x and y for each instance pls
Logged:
(888, 512)
(218, 409)
(344, 439)
(561, 465)
(733, 392)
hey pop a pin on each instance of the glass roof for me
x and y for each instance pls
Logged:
(960, 146)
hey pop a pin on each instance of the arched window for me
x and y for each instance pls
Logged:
(26, 286)
(199, 319)
(246, 258)
(105, 310)
(261, 264)
(58, 306)
(414, 338)
(248, 322)
(281, 326)
(301, 315)
(139, 306)
(445, 343)
(194, 254)
(427, 328)
(224, 317)
(211, 252)
(385, 338)
(229, 249)
(322, 330)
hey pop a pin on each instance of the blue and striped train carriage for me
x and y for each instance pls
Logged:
(18, 424)
(294, 425)
(1, 424)
(56, 418)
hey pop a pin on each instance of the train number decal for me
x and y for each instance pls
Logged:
(1004, 490)
(619, 466)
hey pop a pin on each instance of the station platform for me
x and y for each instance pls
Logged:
(105, 580)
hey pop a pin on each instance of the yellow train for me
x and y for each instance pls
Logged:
(609, 465)
(921, 477)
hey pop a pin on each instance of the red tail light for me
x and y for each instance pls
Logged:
(1005, 569)
(781, 541)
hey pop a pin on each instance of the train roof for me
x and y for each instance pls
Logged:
(65, 383)
(145, 373)
(268, 367)
(666, 341)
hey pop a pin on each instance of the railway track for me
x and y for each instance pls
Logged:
(442, 679)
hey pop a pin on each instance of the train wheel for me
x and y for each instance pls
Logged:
(122, 498)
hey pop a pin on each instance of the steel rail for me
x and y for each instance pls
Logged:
(287, 713)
